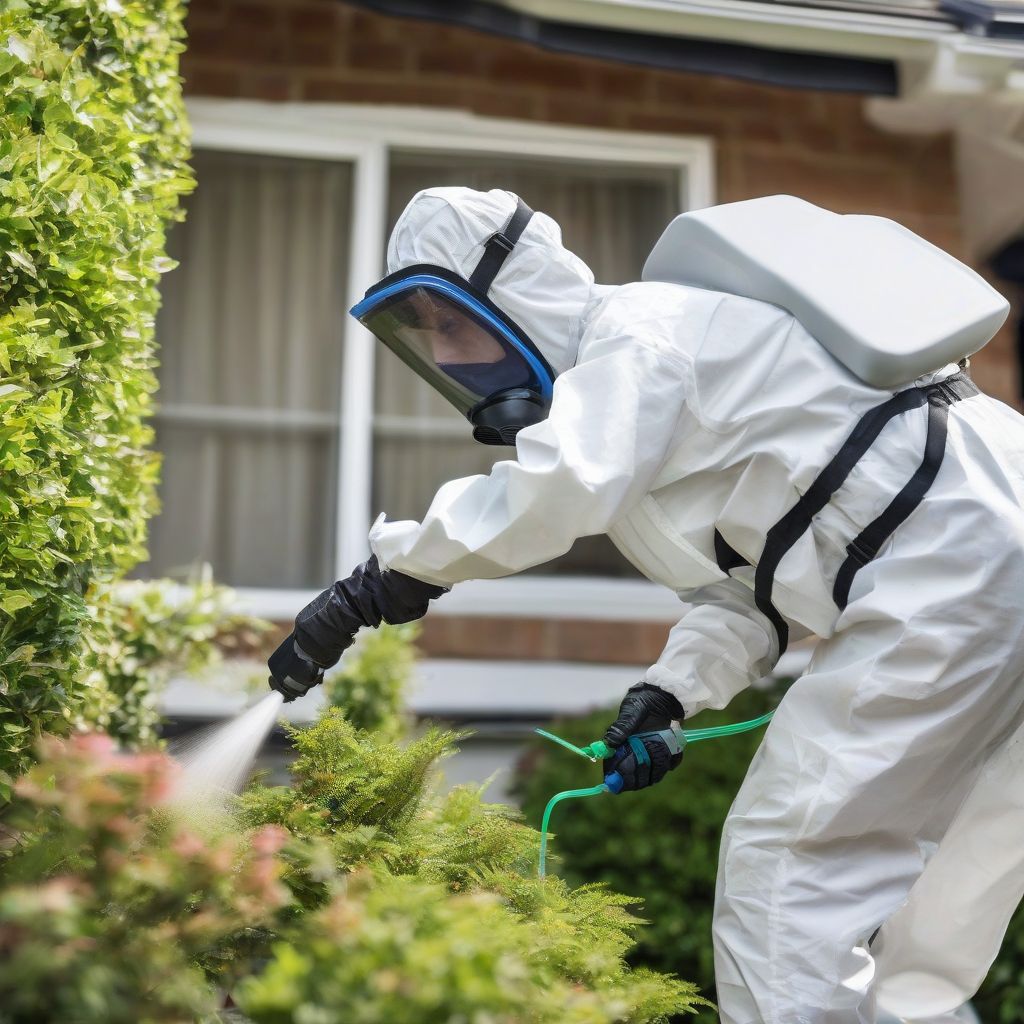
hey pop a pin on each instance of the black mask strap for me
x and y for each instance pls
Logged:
(499, 245)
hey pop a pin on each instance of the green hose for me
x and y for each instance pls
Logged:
(567, 794)
(713, 732)
(599, 750)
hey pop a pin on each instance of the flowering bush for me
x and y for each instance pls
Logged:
(107, 904)
(354, 895)
(364, 901)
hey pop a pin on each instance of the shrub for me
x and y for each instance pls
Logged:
(141, 634)
(659, 845)
(364, 799)
(92, 150)
(106, 907)
(371, 684)
(406, 952)
(375, 901)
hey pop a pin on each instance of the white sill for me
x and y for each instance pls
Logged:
(444, 688)
(591, 598)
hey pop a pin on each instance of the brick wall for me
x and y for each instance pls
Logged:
(814, 144)
(767, 139)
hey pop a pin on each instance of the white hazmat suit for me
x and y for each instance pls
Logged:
(678, 411)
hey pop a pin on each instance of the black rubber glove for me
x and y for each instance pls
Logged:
(327, 626)
(645, 708)
(644, 760)
(292, 672)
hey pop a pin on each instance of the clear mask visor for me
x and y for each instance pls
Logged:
(463, 356)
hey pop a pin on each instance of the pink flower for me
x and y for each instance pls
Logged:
(56, 896)
(121, 825)
(96, 744)
(269, 840)
(187, 845)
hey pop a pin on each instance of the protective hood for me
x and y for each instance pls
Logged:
(542, 286)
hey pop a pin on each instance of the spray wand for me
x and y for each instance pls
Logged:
(613, 781)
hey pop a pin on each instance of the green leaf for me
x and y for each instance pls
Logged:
(13, 600)
(21, 48)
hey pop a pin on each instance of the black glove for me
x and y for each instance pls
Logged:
(644, 760)
(327, 626)
(292, 672)
(645, 708)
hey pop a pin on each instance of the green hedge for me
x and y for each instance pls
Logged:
(93, 142)
(660, 844)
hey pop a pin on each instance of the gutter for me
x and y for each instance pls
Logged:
(798, 46)
(655, 48)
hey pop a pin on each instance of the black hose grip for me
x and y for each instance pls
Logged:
(292, 674)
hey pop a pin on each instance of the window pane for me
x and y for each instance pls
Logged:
(611, 217)
(250, 334)
(256, 504)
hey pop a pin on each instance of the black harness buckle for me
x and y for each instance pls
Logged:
(859, 554)
(502, 241)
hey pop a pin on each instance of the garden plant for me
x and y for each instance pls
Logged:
(354, 895)
(371, 682)
(93, 142)
(357, 894)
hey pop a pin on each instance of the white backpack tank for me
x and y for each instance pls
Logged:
(884, 302)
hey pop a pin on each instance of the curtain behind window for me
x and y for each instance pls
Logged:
(250, 334)
(611, 217)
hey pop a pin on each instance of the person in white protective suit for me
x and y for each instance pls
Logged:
(705, 434)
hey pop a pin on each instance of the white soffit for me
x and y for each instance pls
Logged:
(784, 26)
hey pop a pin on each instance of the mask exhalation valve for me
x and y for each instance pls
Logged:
(498, 419)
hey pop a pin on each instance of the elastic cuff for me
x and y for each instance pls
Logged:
(388, 554)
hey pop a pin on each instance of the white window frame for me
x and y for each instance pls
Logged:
(363, 136)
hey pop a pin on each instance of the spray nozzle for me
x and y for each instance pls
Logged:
(582, 751)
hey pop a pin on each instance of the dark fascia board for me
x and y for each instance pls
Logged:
(791, 68)
(997, 20)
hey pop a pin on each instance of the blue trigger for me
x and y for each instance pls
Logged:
(614, 781)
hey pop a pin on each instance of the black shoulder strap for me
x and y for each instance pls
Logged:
(498, 247)
(726, 555)
(791, 527)
(869, 541)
